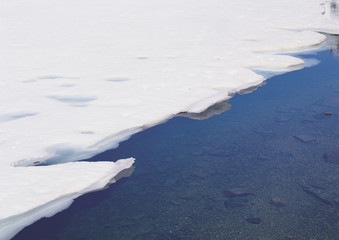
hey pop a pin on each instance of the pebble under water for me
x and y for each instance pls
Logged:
(268, 168)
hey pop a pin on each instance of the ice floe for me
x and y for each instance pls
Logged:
(78, 77)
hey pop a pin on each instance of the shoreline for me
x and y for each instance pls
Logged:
(123, 137)
(34, 129)
(268, 158)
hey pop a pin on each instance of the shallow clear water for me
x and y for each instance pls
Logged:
(266, 169)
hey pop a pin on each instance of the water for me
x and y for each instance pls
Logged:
(266, 169)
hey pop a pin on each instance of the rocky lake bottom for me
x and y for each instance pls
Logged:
(268, 168)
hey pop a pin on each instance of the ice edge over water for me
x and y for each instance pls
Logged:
(75, 86)
(93, 176)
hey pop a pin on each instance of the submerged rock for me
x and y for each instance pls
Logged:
(253, 220)
(327, 196)
(237, 192)
(322, 115)
(174, 203)
(236, 202)
(331, 157)
(278, 202)
(305, 138)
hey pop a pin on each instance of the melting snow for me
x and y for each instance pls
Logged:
(78, 77)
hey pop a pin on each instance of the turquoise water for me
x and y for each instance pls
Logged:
(266, 169)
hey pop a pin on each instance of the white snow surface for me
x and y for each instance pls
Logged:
(44, 191)
(78, 77)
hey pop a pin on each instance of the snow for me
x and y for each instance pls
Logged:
(44, 191)
(78, 77)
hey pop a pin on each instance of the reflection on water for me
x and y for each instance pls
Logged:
(332, 43)
(124, 173)
(265, 169)
(251, 89)
(335, 45)
(219, 107)
(332, 10)
(215, 109)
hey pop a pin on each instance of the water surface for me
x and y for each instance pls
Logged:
(268, 168)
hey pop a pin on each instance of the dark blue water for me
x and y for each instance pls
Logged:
(266, 169)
